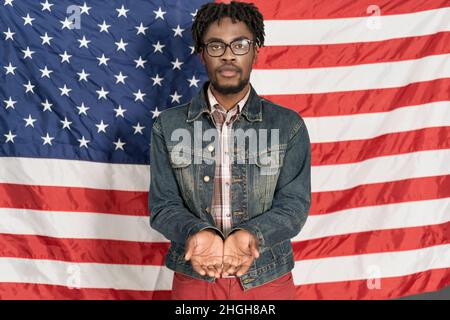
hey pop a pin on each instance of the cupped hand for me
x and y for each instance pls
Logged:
(240, 249)
(205, 251)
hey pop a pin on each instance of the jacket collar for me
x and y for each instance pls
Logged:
(252, 109)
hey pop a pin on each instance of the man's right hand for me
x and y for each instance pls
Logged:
(205, 250)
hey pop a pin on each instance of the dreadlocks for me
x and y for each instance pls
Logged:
(241, 11)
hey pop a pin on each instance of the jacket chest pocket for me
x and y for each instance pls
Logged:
(266, 169)
(182, 164)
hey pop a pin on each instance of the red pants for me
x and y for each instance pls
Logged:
(188, 288)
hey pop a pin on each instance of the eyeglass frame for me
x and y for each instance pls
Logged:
(205, 45)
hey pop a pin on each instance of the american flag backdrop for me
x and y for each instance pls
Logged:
(82, 81)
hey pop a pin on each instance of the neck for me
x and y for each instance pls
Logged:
(230, 100)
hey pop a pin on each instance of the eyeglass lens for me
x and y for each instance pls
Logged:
(239, 47)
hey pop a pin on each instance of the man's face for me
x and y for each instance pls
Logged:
(227, 31)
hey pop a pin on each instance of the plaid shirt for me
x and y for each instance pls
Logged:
(221, 202)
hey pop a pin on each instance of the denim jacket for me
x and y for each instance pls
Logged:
(270, 199)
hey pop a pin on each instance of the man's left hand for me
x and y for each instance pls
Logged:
(240, 249)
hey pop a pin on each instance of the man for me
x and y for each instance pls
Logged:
(229, 220)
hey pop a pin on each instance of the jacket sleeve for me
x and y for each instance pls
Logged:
(168, 214)
(292, 197)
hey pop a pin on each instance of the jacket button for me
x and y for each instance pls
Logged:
(210, 147)
(248, 280)
(206, 178)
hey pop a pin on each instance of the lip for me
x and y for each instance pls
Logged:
(228, 72)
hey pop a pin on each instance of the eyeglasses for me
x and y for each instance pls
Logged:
(217, 48)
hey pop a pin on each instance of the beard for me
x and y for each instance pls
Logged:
(225, 90)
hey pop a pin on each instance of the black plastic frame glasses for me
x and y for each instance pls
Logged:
(215, 54)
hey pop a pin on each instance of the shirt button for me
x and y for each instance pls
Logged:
(206, 178)
(228, 184)
(228, 215)
(210, 147)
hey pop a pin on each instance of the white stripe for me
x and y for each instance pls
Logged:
(352, 30)
(132, 228)
(347, 78)
(131, 277)
(85, 275)
(380, 169)
(371, 125)
(370, 266)
(381, 217)
(74, 173)
(78, 225)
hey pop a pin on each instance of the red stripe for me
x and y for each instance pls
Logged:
(340, 152)
(374, 194)
(378, 241)
(393, 287)
(348, 54)
(365, 101)
(32, 291)
(135, 253)
(73, 199)
(83, 250)
(322, 202)
(325, 9)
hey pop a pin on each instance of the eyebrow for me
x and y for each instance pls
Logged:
(218, 39)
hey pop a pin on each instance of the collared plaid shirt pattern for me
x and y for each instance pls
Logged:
(223, 120)
(221, 202)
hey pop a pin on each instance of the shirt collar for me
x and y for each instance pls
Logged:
(213, 101)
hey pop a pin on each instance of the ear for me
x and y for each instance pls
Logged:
(202, 59)
(255, 55)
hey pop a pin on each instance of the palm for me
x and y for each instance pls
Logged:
(237, 248)
(205, 247)
(205, 251)
(238, 254)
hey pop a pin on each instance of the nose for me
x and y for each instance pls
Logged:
(228, 54)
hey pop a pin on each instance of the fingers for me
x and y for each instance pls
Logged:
(190, 245)
(236, 265)
(254, 250)
(206, 265)
(188, 254)
(243, 268)
(198, 268)
(210, 270)
(214, 267)
(219, 268)
(253, 246)
(230, 264)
